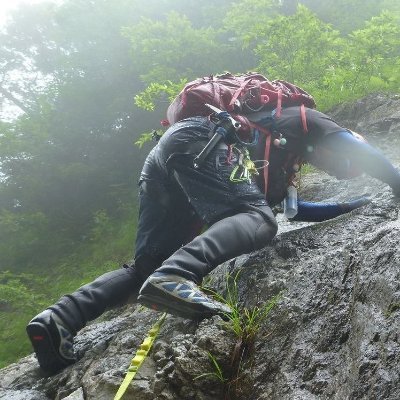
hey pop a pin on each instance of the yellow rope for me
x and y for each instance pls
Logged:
(140, 356)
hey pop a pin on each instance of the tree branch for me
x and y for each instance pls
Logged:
(14, 100)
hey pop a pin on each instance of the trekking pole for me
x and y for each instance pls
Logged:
(224, 127)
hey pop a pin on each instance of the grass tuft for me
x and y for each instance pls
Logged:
(246, 324)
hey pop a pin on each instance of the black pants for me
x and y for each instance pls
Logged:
(238, 217)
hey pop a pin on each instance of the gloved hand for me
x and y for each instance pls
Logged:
(353, 204)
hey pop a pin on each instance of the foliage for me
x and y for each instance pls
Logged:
(374, 47)
(72, 153)
(15, 294)
(393, 308)
(146, 137)
(298, 48)
(22, 294)
(245, 323)
(305, 50)
(217, 370)
(246, 19)
(17, 302)
(161, 92)
(173, 48)
(368, 63)
(347, 16)
(28, 228)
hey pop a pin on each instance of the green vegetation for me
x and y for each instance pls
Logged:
(393, 307)
(82, 80)
(333, 65)
(217, 372)
(24, 294)
(246, 324)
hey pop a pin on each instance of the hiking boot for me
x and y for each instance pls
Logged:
(180, 297)
(51, 341)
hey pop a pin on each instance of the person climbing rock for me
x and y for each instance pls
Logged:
(225, 203)
(178, 197)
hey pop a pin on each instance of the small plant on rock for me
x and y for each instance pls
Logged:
(217, 373)
(245, 323)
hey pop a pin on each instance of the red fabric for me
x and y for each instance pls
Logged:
(266, 158)
(303, 118)
(237, 94)
(240, 95)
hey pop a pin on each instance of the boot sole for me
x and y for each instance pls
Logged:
(158, 304)
(45, 349)
(162, 301)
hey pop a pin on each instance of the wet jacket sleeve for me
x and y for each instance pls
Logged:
(367, 158)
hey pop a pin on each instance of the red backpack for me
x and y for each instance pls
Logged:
(237, 94)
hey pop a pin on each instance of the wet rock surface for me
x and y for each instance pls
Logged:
(334, 334)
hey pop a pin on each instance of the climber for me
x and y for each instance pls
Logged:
(173, 254)
(172, 287)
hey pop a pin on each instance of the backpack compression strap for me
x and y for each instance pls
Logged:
(267, 149)
(268, 135)
(303, 118)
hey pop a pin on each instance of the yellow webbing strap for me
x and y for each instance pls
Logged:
(140, 356)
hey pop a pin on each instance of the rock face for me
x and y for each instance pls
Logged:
(334, 333)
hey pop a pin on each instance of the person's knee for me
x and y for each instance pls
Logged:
(267, 229)
(266, 226)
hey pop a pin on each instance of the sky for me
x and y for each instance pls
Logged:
(8, 5)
